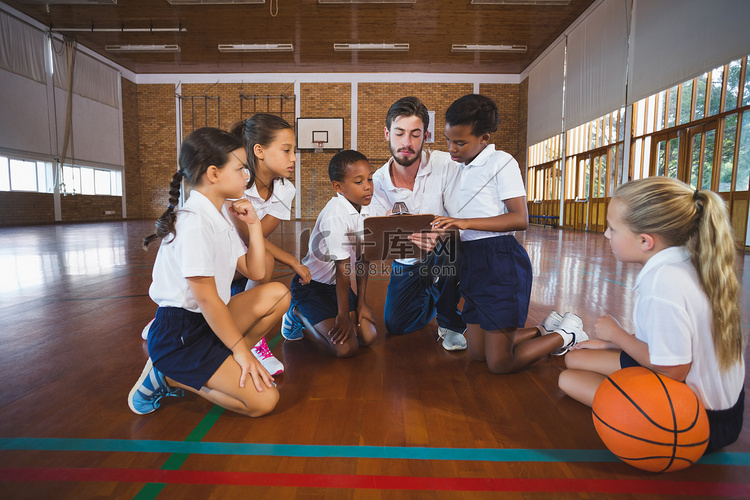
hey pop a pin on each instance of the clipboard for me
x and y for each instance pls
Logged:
(387, 237)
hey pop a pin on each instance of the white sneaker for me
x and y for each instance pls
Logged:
(267, 359)
(550, 323)
(144, 333)
(571, 330)
(452, 340)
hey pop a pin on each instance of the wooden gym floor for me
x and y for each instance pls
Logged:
(404, 419)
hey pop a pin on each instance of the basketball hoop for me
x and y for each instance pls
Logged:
(318, 146)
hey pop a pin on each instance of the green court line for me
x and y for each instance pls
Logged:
(175, 460)
(336, 451)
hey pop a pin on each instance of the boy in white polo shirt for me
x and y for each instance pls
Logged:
(336, 318)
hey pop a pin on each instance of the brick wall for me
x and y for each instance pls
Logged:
(321, 100)
(132, 180)
(157, 148)
(89, 208)
(21, 209)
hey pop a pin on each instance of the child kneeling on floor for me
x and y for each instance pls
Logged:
(201, 340)
(334, 317)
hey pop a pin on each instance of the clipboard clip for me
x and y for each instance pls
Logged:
(399, 208)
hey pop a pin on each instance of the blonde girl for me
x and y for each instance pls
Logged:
(687, 314)
(201, 337)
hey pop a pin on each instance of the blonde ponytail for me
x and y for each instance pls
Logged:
(699, 221)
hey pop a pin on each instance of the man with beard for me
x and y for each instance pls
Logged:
(419, 289)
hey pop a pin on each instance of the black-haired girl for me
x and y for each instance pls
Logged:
(202, 337)
(487, 204)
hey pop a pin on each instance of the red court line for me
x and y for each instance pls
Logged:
(641, 486)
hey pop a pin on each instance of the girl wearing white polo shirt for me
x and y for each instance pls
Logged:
(201, 337)
(687, 314)
(269, 141)
(487, 203)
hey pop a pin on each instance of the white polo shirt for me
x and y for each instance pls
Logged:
(436, 172)
(279, 204)
(334, 237)
(672, 315)
(206, 244)
(481, 188)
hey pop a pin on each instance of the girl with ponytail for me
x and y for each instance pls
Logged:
(202, 336)
(687, 314)
(269, 142)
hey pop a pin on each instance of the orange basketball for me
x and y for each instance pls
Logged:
(649, 420)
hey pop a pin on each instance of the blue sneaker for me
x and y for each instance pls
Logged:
(151, 388)
(291, 326)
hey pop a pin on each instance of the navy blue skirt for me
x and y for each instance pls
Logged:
(184, 348)
(495, 282)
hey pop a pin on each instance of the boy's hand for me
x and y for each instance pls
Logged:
(364, 311)
(244, 211)
(343, 326)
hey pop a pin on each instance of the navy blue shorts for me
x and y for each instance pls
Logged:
(495, 282)
(724, 425)
(317, 301)
(184, 348)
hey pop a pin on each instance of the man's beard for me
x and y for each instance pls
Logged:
(405, 162)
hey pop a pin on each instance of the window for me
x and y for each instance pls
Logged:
(18, 174)
(89, 180)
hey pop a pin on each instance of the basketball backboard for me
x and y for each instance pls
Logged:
(311, 132)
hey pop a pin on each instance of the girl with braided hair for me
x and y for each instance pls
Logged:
(202, 336)
(687, 314)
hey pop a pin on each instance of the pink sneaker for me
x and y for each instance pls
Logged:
(267, 359)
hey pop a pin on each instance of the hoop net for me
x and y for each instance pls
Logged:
(318, 146)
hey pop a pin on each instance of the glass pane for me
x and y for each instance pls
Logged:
(102, 182)
(586, 178)
(650, 112)
(708, 159)
(4, 174)
(695, 160)
(674, 145)
(746, 92)
(727, 153)
(606, 131)
(672, 107)
(700, 97)
(596, 178)
(646, 156)
(71, 180)
(22, 175)
(603, 180)
(733, 84)
(661, 100)
(661, 157)
(717, 78)
(686, 99)
(87, 180)
(743, 158)
(621, 125)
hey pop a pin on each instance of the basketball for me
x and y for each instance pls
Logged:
(650, 421)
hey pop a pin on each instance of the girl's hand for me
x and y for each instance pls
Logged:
(448, 222)
(606, 328)
(303, 272)
(250, 365)
(343, 326)
(364, 311)
(244, 211)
